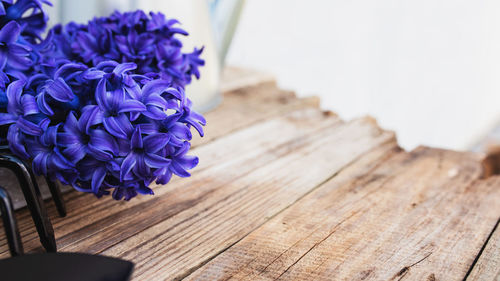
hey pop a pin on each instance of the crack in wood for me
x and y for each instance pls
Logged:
(481, 250)
(402, 273)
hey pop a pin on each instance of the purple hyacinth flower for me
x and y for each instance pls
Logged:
(131, 190)
(113, 99)
(29, 14)
(47, 157)
(144, 155)
(80, 140)
(96, 44)
(3, 5)
(180, 163)
(151, 96)
(13, 54)
(92, 175)
(20, 107)
(137, 47)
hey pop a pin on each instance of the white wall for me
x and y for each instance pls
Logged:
(428, 69)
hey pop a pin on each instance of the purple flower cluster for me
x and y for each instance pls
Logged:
(99, 106)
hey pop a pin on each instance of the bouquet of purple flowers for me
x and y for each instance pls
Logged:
(99, 106)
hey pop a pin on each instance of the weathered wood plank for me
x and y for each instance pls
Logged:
(234, 78)
(247, 106)
(420, 216)
(89, 219)
(487, 267)
(178, 245)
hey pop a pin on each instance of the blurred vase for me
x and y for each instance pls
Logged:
(210, 24)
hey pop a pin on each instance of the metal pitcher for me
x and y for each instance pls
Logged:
(211, 23)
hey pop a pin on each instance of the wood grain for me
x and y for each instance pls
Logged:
(487, 267)
(286, 191)
(419, 216)
(241, 103)
(178, 245)
(89, 220)
(244, 107)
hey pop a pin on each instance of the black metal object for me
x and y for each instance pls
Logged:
(10, 224)
(33, 199)
(64, 267)
(54, 189)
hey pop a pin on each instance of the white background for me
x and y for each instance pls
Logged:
(428, 69)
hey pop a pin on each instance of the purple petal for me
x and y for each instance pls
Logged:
(19, 50)
(148, 128)
(93, 74)
(3, 58)
(103, 141)
(132, 106)
(177, 169)
(136, 140)
(75, 152)
(92, 115)
(155, 113)
(43, 105)
(155, 87)
(29, 128)
(144, 190)
(14, 91)
(69, 69)
(7, 118)
(156, 100)
(155, 161)
(133, 90)
(134, 116)
(180, 131)
(100, 95)
(188, 161)
(59, 160)
(141, 169)
(174, 92)
(164, 176)
(183, 150)
(118, 126)
(59, 90)
(29, 105)
(14, 137)
(124, 67)
(97, 179)
(155, 142)
(67, 139)
(127, 165)
(49, 137)
(115, 98)
(40, 164)
(99, 154)
(71, 124)
(10, 32)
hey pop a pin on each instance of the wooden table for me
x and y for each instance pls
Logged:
(287, 191)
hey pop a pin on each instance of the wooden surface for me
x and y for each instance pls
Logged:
(285, 191)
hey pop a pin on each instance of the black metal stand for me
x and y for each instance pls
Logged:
(10, 224)
(54, 189)
(33, 198)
